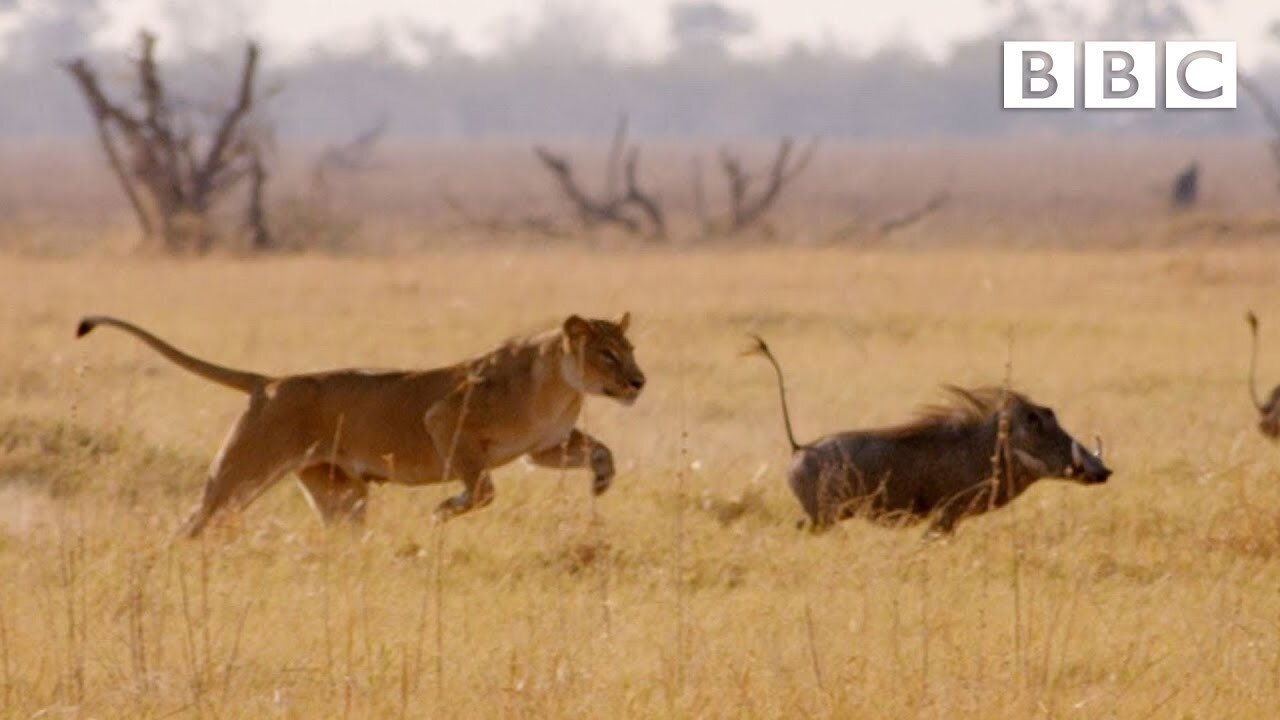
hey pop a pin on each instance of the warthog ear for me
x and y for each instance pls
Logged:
(575, 327)
(624, 322)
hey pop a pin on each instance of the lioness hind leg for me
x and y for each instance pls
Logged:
(335, 495)
(252, 459)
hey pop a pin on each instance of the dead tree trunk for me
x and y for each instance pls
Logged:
(256, 215)
(744, 211)
(1269, 113)
(705, 225)
(631, 209)
(171, 186)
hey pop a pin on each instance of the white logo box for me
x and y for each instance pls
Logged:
(1119, 74)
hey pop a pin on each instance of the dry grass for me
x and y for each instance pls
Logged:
(686, 590)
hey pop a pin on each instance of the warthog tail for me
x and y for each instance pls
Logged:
(762, 348)
(1253, 360)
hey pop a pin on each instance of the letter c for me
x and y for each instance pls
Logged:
(1182, 74)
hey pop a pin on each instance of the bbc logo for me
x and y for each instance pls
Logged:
(1197, 74)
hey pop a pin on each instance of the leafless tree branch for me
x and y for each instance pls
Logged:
(1270, 113)
(169, 189)
(353, 155)
(915, 215)
(217, 160)
(614, 207)
(103, 113)
(744, 211)
(645, 202)
(616, 150)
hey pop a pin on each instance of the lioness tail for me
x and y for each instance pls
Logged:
(236, 379)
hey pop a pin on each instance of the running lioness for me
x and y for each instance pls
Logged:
(343, 429)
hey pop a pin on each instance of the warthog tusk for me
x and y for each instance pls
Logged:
(1077, 455)
(1097, 440)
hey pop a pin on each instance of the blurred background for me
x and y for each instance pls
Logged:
(402, 124)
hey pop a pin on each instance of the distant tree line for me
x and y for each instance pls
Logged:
(557, 80)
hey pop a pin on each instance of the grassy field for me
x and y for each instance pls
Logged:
(686, 590)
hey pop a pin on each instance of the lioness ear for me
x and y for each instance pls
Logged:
(575, 327)
(624, 322)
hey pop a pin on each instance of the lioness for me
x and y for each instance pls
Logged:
(343, 429)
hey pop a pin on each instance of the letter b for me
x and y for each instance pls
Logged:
(1039, 74)
(1120, 75)
(1045, 73)
(1111, 73)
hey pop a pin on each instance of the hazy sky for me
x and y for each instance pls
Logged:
(637, 28)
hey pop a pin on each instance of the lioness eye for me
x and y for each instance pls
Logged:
(609, 357)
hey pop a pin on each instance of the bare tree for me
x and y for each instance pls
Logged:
(629, 208)
(935, 203)
(312, 218)
(745, 211)
(173, 179)
(354, 155)
(706, 226)
(1269, 112)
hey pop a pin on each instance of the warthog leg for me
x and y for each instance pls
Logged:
(960, 505)
(579, 450)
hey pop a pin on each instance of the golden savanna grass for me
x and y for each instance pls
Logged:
(686, 590)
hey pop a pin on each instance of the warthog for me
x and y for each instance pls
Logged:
(975, 454)
(1269, 420)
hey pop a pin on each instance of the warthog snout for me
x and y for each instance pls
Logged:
(1270, 426)
(1088, 466)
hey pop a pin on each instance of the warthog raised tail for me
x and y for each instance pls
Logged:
(1269, 411)
(977, 453)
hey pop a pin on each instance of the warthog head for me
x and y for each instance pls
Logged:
(1039, 447)
(1269, 411)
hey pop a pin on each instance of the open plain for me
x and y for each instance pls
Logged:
(686, 590)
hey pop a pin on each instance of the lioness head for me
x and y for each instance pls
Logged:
(599, 360)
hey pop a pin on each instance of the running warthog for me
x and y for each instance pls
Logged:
(975, 454)
(1269, 422)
